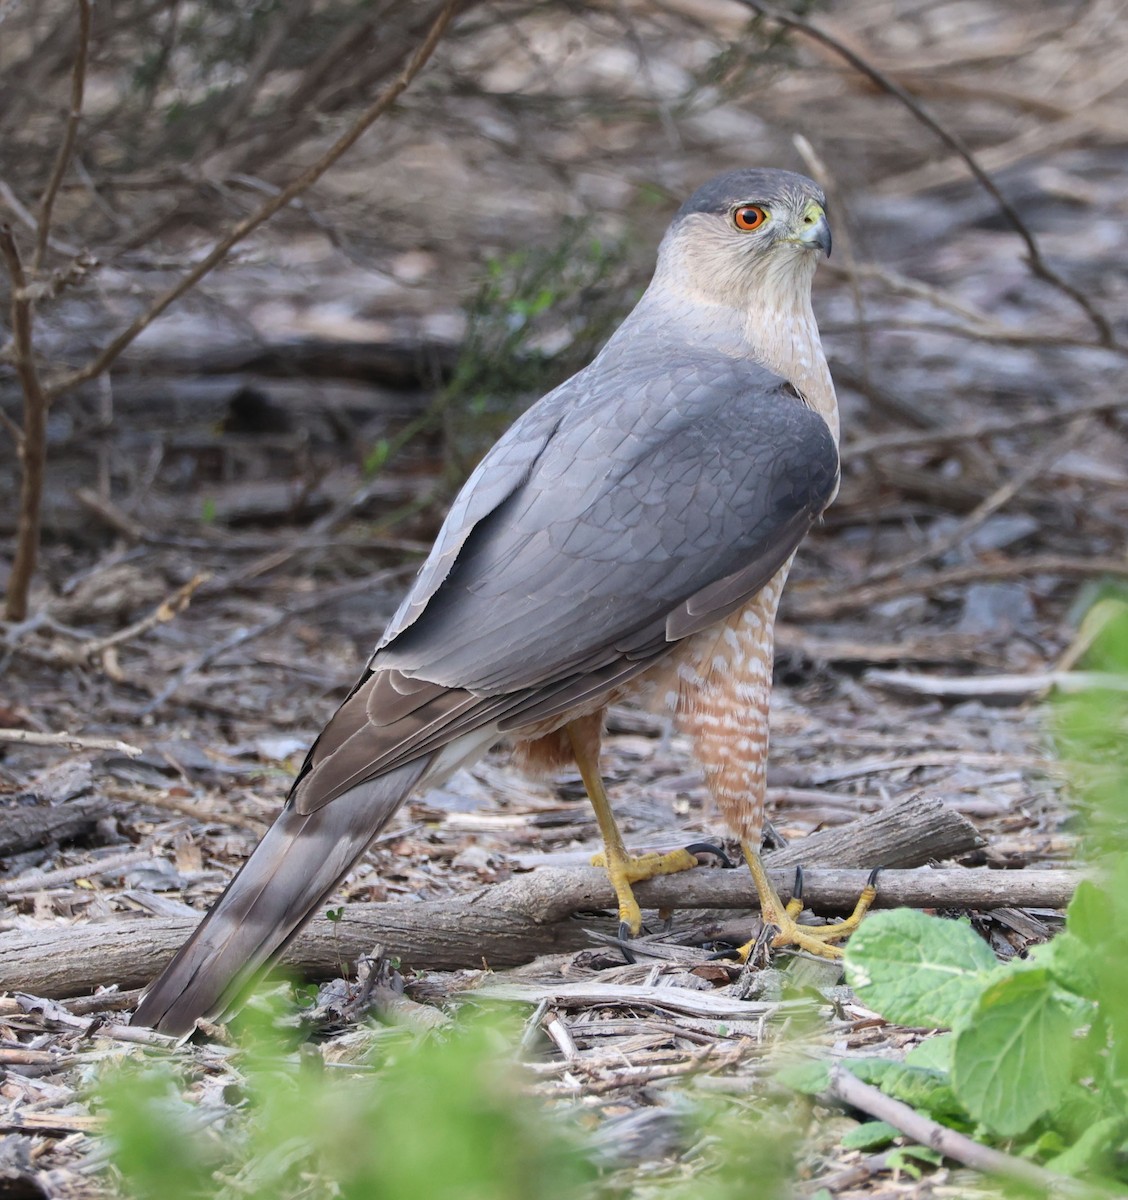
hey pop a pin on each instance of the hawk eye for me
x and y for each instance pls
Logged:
(749, 216)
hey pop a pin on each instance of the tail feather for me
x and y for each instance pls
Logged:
(299, 861)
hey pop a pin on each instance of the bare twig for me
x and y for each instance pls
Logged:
(816, 606)
(66, 147)
(851, 1090)
(21, 213)
(165, 611)
(32, 446)
(956, 435)
(248, 225)
(1034, 469)
(152, 798)
(999, 687)
(41, 881)
(1037, 263)
(115, 517)
(993, 333)
(68, 741)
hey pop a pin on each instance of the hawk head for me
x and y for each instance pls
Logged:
(745, 233)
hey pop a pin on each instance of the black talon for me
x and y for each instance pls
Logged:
(624, 943)
(872, 880)
(797, 886)
(771, 838)
(713, 849)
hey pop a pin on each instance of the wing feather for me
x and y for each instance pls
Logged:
(617, 517)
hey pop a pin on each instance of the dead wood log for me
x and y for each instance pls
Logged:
(58, 806)
(24, 826)
(531, 914)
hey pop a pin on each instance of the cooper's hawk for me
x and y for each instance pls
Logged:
(628, 536)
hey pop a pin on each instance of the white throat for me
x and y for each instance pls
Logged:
(757, 310)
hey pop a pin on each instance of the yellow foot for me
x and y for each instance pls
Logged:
(628, 869)
(780, 920)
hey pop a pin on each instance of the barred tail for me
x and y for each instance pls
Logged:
(299, 861)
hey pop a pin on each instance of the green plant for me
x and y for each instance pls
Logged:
(432, 1118)
(1036, 1057)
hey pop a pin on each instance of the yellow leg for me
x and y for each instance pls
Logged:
(815, 939)
(622, 868)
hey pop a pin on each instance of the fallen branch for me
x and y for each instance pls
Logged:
(68, 741)
(675, 1000)
(1006, 689)
(59, 805)
(504, 926)
(534, 913)
(41, 881)
(958, 435)
(1034, 470)
(817, 606)
(165, 611)
(203, 814)
(113, 516)
(863, 1096)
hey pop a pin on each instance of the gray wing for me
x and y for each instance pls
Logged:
(625, 511)
(656, 506)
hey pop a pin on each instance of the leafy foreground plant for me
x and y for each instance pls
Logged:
(1036, 1057)
(439, 1117)
(435, 1118)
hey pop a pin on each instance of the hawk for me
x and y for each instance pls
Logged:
(629, 536)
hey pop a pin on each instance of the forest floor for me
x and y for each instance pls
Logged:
(984, 500)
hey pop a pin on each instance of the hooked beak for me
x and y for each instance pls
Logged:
(815, 231)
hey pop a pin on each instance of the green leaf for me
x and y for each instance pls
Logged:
(810, 1078)
(905, 1158)
(873, 1135)
(1093, 1150)
(156, 1143)
(1013, 1059)
(1070, 961)
(920, 1087)
(1087, 915)
(918, 970)
(934, 1053)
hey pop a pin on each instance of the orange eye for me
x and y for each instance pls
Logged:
(750, 216)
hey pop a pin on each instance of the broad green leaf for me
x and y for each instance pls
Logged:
(1093, 1150)
(1012, 1060)
(810, 1078)
(934, 1052)
(1070, 961)
(1087, 915)
(918, 970)
(919, 1087)
(873, 1135)
(1082, 1106)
